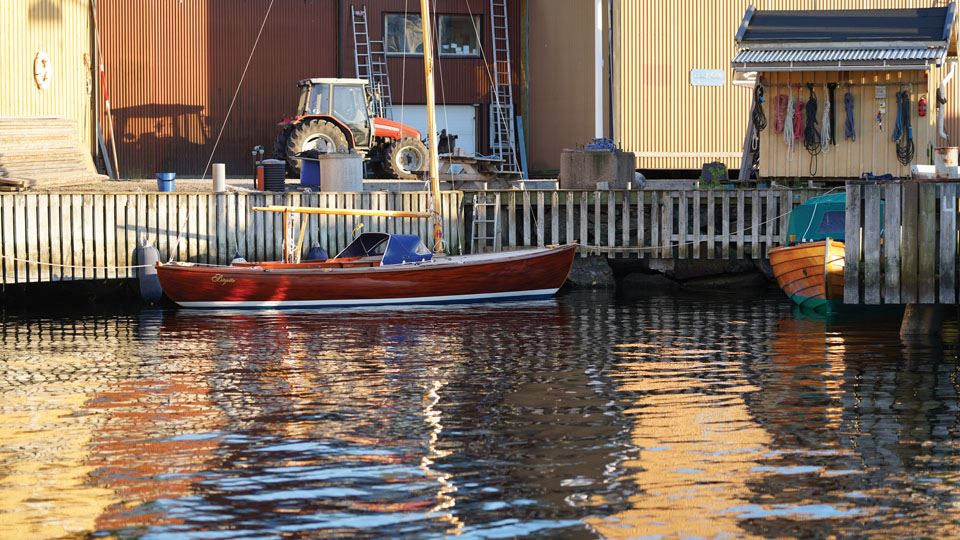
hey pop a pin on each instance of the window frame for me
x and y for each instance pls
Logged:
(478, 17)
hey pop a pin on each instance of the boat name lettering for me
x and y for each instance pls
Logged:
(221, 279)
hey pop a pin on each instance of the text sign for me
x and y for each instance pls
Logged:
(707, 77)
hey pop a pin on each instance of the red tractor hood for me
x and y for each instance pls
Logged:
(384, 127)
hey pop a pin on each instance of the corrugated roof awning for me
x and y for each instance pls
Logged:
(792, 59)
(825, 40)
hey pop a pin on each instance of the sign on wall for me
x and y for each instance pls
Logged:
(707, 77)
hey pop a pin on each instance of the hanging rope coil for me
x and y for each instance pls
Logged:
(798, 119)
(832, 103)
(903, 130)
(826, 126)
(759, 118)
(788, 123)
(779, 113)
(849, 127)
(811, 132)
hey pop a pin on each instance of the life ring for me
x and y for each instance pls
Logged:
(42, 70)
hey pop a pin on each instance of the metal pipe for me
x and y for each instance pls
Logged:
(598, 69)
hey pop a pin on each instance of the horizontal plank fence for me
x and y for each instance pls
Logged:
(66, 236)
(697, 224)
(901, 243)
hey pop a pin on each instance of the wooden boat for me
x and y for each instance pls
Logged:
(376, 268)
(370, 278)
(810, 271)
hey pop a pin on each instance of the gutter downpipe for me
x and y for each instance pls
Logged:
(940, 93)
(598, 69)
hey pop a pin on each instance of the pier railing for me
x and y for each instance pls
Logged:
(65, 236)
(901, 243)
(683, 224)
(93, 236)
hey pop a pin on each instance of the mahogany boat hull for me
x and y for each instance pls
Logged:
(811, 274)
(536, 273)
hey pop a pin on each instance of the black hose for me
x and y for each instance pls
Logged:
(759, 118)
(903, 132)
(811, 133)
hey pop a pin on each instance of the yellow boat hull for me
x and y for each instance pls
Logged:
(811, 274)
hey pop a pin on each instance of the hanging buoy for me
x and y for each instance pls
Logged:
(922, 106)
(150, 290)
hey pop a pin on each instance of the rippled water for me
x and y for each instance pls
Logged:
(684, 415)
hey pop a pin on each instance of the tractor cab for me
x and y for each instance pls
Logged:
(346, 100)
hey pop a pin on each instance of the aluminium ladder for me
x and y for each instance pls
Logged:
(370, 61)
(503, 134)
(486, 227)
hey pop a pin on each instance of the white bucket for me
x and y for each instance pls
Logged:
(945, 161)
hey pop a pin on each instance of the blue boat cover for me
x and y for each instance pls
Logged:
(365, 245)
(405, 248)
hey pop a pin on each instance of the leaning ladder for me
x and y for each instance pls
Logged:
(486, 227)
(502, 133)
(370, 61)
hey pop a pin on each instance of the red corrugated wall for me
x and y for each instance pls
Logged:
(173, 67)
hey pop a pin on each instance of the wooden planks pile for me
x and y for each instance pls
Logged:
(668, 224)
(93, 236)
(38, 152)
(901, 243)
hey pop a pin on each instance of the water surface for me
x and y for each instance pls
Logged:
(694, 414)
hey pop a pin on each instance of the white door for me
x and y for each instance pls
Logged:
(459, 120)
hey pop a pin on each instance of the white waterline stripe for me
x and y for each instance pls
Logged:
(370, 302)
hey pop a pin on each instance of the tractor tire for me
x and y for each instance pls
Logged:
(280, 146)
(404, 158)
(309, 135)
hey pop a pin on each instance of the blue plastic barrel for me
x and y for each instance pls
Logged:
(309, 172)
(165, 181)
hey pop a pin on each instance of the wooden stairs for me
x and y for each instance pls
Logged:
(37, 153)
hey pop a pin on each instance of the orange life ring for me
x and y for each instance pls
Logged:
(42, 70)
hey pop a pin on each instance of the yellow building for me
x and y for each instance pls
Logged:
(674, 102)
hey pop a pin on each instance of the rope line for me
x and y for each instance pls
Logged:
(237, 92)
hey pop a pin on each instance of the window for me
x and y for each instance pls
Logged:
(456, 35)
(319, 99)
(350, 105)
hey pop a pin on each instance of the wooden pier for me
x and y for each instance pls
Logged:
(669, 224)
(93, 236)
(901, 243)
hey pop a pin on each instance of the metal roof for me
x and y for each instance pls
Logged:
(844, 39)
(799, 59)
(877, 25)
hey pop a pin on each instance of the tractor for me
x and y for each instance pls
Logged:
(335, 116)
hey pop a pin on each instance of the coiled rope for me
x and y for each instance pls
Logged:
(779, 113)
(811, 133)
(798, 118)
(903, 130)
(849, 127)
(759, 118)
(825, 125)
(832, 93)
(788, 123)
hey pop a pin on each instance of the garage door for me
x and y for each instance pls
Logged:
(459, 120)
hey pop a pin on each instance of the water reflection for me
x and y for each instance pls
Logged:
(681, 415)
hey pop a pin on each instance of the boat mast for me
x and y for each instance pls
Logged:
(431, 125)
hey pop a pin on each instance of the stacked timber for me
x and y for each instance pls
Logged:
(38, 152)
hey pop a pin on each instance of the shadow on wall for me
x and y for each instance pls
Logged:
(162, 137)
(45, 11)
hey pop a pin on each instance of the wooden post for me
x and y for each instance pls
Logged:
(851, 272)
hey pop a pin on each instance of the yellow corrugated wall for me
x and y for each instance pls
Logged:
(673, 125)
(62, 29)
